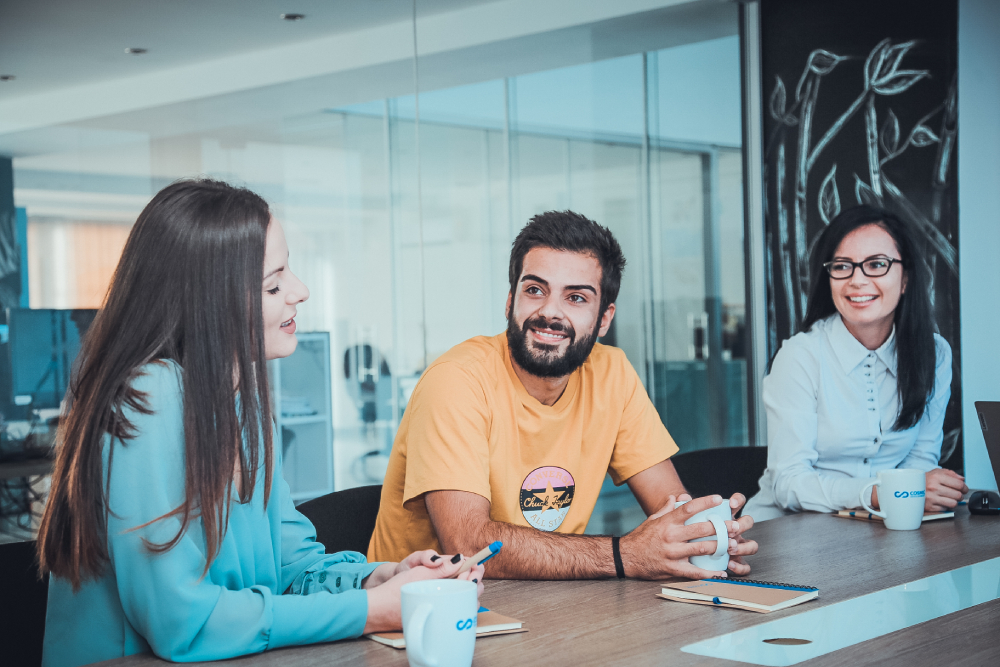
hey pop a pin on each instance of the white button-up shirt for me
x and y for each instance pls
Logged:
(831, 406)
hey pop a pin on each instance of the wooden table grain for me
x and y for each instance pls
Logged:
(622, 622)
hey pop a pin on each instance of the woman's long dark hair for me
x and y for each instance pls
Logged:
(916, 356)
(187, 289)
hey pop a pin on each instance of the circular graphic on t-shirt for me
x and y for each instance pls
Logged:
(546, 495)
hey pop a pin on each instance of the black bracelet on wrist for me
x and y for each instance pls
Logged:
(616, 550)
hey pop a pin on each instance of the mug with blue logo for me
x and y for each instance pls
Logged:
(718, 560)
(900, 496)
(439, 622)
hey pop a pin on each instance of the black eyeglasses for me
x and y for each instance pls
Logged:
(873, 267)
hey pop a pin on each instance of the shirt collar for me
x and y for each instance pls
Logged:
(850, 352)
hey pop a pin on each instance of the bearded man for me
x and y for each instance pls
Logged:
(508, 438)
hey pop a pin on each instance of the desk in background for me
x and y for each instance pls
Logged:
(622, 622)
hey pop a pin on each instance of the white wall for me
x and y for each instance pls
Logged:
(979, 221)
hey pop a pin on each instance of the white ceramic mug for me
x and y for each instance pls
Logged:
(439, 622)
(718, 515)
(901, 494)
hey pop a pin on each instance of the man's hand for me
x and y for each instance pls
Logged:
(661, 545)
(463, 525)
(744, 547)
(944, 489)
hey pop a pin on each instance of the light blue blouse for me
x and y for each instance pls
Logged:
(831, 405)
(271, 584)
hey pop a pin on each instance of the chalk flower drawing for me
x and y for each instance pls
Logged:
(786, 203)
(883, 76)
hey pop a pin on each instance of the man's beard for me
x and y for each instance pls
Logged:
(545, 364)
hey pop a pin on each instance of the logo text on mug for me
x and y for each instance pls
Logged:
(466, 624)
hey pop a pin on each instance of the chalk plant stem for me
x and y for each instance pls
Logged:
(871, 141)
(835, 128)
(784, 243)
(810, 94)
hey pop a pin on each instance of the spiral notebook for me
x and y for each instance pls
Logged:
(865, 515)
(488, 623)
(759, 596)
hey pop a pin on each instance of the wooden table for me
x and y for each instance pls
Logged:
(621, 622)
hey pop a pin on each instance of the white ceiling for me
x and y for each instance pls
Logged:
(50, 44)
(220, 63)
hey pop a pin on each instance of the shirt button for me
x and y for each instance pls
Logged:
(875, 441)
(322, 577)
(866, 461)
(338, 582)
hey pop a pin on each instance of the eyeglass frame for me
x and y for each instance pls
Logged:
(861, 265)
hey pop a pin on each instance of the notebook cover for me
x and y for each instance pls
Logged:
(488, 624)
(712, 604)
(759, 593)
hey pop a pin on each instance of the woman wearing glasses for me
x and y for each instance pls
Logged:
(864, 386)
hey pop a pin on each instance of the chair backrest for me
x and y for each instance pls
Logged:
(22, 605)
(722, 470)
(344, 520)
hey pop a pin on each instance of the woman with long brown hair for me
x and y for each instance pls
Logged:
(169, 527)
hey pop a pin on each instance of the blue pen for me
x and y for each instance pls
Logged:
(480, 558)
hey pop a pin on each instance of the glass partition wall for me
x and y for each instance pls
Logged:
(400, 217)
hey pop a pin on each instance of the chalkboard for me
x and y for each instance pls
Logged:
(860, 106)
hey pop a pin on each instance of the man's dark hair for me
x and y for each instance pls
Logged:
(566, 230)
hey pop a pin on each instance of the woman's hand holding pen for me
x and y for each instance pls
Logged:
(386, 571)
(384, 595)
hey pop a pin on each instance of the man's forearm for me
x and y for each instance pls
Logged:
(532, 554)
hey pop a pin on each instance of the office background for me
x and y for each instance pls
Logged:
(401, 181)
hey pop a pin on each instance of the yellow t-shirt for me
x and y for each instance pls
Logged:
(471, 426)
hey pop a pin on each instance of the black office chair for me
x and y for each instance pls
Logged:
(344, 520)
(722, 470)
(22, 609)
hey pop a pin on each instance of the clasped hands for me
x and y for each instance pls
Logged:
(661, 546)
(384, 582)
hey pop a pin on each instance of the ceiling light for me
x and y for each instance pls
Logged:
(293, 17)
(136, 51)
(7, 77)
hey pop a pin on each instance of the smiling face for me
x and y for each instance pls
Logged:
(868, 305)
(554, 319)
(283, 291)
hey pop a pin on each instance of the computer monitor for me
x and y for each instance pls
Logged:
(41, 348)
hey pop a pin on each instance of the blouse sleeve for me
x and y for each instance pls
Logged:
(926, 450)
(790, 400)
(306, 568)
(183, 615)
